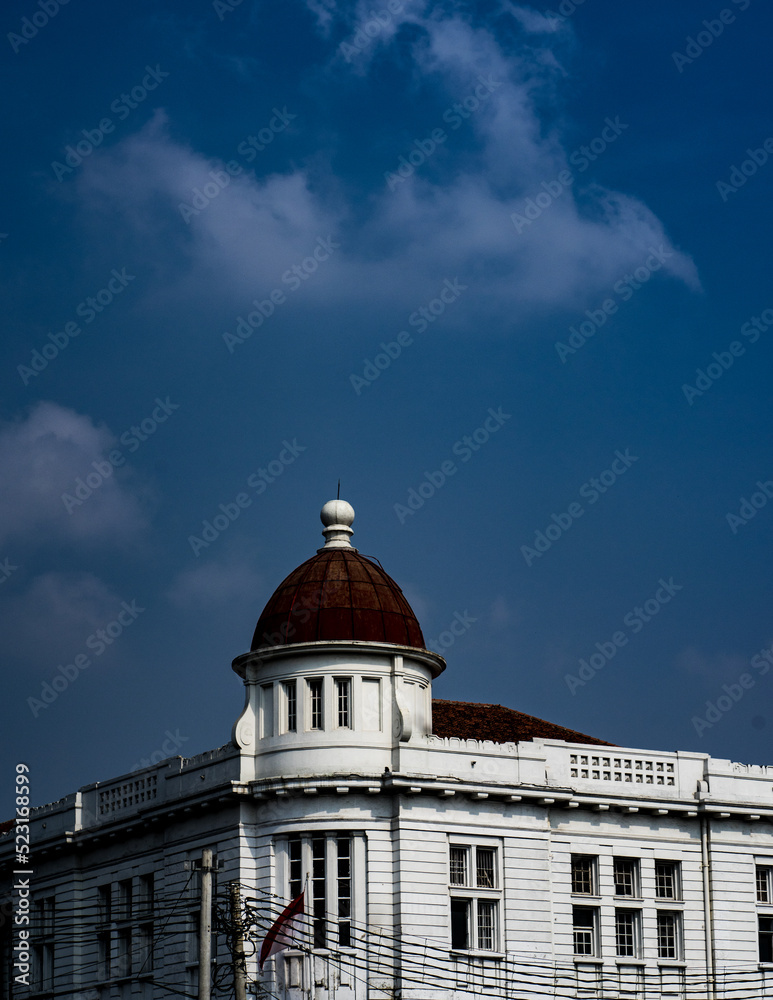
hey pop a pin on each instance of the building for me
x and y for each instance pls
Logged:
(444, 849)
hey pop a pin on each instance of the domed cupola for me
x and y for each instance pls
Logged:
(338, 677)
(338, 594)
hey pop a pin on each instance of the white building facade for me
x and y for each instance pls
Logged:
(431, 865)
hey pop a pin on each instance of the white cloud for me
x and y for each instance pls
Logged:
(451, 218)
(42, 457)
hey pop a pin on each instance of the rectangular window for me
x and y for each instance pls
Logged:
(485, 867)
(766, 939)
(764, 884)
(329, 859)
(344, 888)
(43, 943)
(667, 880)
(626, 873)
(459, 865)
(669, 945)
(315, 704)
(487, 910)
(584, 874)
(474, 897)
(290, 706)
(105, 930)
(125, 907)
(460, 924)
(343, 691)
(585, 929)
(319, 905)
(145, 895)
(627, 923)
(296, 869)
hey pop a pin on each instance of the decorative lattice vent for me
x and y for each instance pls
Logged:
(131, 793)
(635, 770)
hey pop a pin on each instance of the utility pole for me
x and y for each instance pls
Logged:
(205, 926)
(240, 975)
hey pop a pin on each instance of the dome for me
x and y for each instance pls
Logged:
(338, 594)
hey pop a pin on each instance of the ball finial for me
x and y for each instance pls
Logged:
(337, 517)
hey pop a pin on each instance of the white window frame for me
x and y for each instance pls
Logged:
(333, 919)
(288, 697)
(764, 873)
(343, 684)
(636, 878)
(677, 880)
(594, 874)
(635, 916)
(678, 935)
(595, 941)
(311, 685)
(476, 896)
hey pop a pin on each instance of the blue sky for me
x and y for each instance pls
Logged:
(502, 269)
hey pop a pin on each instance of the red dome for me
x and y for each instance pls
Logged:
(338, 594)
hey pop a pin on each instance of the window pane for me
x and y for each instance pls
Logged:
(763, 885)
(582, 873)
(344, 891)
(665, 879)
(766, 939)
(458, 866)
(486, 921)
(318, 845)
(296, 873)
(625, 877)
(625, 932)
(485, 867)
(583, 925)
(460, 923)
(315, 704)
(667, 935)
(342, 692)
(291, 707)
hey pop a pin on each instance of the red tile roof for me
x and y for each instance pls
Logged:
(469, 720)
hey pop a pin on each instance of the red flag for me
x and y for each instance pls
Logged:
(282, 931)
